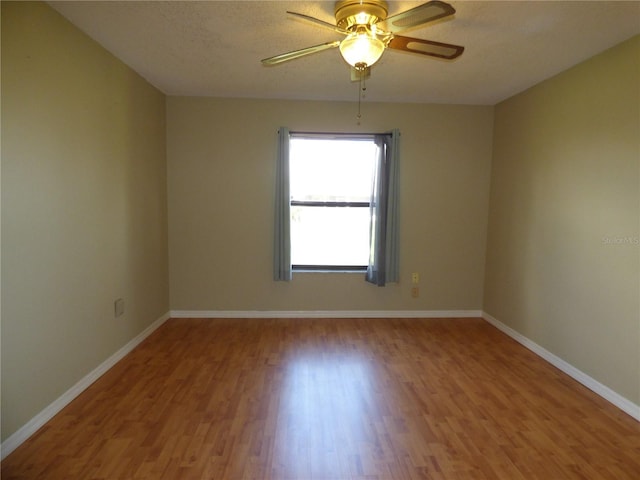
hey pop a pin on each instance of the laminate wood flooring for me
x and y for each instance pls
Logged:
(332, 399)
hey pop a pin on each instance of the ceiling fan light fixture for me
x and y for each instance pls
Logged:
(361, 47)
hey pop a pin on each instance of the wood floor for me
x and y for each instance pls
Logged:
(374, 399)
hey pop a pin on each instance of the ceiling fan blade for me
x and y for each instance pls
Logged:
(426, 47)
(283, 57)
(322, 23)
(427, 12)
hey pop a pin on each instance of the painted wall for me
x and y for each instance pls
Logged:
(84, 218)
(221, 169)
(563, 260)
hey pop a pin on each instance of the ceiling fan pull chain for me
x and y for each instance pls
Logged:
(361, 68)
(363, 76)
(359, 100)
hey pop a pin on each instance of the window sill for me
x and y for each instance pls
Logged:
(329, 270)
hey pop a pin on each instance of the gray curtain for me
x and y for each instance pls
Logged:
(383, 237)
(282, 240)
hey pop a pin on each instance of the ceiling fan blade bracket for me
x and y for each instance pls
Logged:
(284, 57)
(319, 22)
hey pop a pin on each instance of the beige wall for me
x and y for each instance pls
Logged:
(83, 208)
(221, 159)
(562, 258)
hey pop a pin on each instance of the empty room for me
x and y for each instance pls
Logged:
(300, 240)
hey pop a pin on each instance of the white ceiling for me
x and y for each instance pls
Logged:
(214, 48)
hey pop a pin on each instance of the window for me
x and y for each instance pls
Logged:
(331, 194)
(331, 178)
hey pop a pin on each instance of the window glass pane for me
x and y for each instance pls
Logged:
(331, 170)
(329, 235)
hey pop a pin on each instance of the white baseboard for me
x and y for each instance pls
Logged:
(15, 440)
(326, 314)
(605, 392)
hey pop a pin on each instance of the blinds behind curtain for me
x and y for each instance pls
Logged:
(383, 249)
(282, 240)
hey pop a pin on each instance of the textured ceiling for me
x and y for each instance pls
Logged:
(214, 48)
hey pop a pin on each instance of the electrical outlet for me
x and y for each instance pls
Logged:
(118, 307)
(415, 277)
(415, 292)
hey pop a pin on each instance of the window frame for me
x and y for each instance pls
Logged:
(331, 204)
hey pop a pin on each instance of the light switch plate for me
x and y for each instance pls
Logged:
(118, 307)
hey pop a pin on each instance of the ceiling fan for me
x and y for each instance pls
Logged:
(369, 32)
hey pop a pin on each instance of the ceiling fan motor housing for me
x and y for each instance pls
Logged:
(358, 12)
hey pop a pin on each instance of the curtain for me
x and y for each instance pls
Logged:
(383, 235)
(282, 240)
